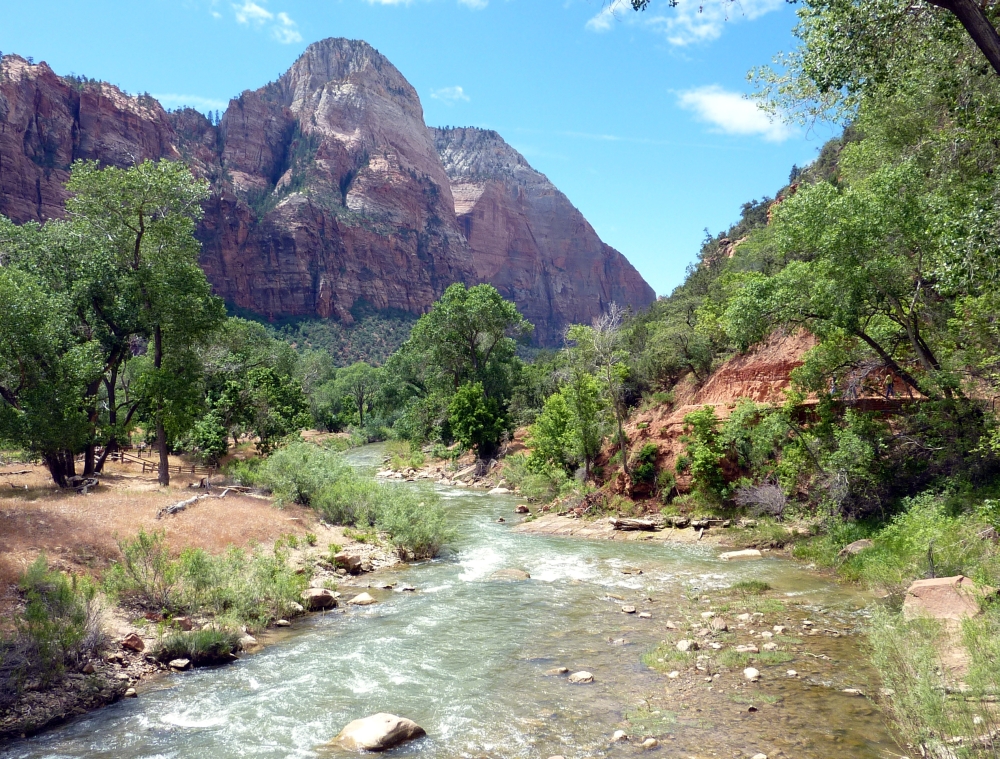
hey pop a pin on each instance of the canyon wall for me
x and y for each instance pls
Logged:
(327, 190)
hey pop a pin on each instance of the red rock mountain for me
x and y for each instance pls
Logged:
(528, 240)
(327, 190)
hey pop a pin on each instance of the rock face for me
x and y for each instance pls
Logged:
(328, 192)
(377, 733)
(528, 240)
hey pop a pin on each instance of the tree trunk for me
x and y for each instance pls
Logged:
(976, 23)
(161, 434)
(112, 443)
(57, 468)
(89, 458)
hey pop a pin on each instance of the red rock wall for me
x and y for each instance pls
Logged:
(327, 189)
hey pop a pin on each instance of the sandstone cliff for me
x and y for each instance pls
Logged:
(528, 240)
(327, 190)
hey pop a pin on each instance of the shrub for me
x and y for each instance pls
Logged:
(202, 647)
(145, 573)
(751, 587)
(766, 499)
(209, 438)
(319, 478)
(644, 464)
(60, 626)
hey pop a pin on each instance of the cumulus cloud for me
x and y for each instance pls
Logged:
(252, 14)
(388, 2)
(731, 113)
(476, 5)
(286, 31)
(689, 22)
(199, 103)
(282, 27)
(450, 95)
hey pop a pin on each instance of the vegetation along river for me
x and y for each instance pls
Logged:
(466, 657)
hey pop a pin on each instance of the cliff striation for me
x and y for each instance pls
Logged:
(327, 190)
(528, 240)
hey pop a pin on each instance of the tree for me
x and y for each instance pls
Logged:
(588, 416)
(972, 15)
(477, 421)
(124, 267)
(361, 383)
(551, 436)
(602, 347)
(265, 404)
(138, 224)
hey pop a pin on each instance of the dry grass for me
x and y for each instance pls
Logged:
(78, 532)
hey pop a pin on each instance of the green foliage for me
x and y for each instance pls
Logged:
(536, 481)
(209, 438)
(201, 647)
(550, 437)
(405, 454)
(265, 404)
(477, 421)
(644, 464)
(750, 587)
(307, 474)
(703, 451)
(58, 628)
(146, 572)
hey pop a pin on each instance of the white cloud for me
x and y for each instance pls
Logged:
(216, 14)
(476, 5)
(450, 95)
(286, 31)
(199, 103)
(732, 113)
(283, 28)
(690, 21)
(389, 2)
(251, 13)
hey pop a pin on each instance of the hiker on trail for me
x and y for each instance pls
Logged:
(890, 388)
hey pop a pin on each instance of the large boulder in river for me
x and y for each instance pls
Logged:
(510, 575)
(952, 598)
(318, 599)
(377, 733)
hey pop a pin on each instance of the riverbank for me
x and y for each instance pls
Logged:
(80, 535)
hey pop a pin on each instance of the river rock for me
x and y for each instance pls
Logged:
(650, 743)
(510, 575)
(628, 609)
(770, 647)
(499, 491)
(581, 678)
(619, 736)
(130, 693)
(282, 623)
(184, 623)
(855, 548)
(180, 664)
(362, 599)
(247, 642)
(951, 598)
(521, 509)
(751, 674)
(318, 599)
(377, 733)
(88, 668)
(792, 673)
(687, 645)
(719, 624)
(759, 756)
(748, 649)
(557, 671)
(748, 553)
(133, 643)
(645, 615)
(348, 561)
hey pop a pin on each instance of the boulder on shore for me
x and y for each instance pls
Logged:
(747, 553)
(851, 549)
(362, 599)
(377, 733)
(953, 598)
(317, 599)
(133, 642)
(349, 561)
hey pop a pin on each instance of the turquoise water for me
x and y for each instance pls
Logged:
(466, 657)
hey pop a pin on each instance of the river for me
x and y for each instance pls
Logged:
(466, 658)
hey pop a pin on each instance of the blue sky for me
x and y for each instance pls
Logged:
(638, 118)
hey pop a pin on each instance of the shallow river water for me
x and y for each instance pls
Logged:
(466, 658)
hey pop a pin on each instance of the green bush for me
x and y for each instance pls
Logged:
(145, 573)
(209, 438)
(310, 475)
(644, 464)
(202, 647)
(59, 627)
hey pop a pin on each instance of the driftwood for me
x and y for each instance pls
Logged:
(14, 474)
(634, 524)
(82, 485)
(181, 505)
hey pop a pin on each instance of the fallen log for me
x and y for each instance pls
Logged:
(181, 505)
(627, 524)
(14, 474)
